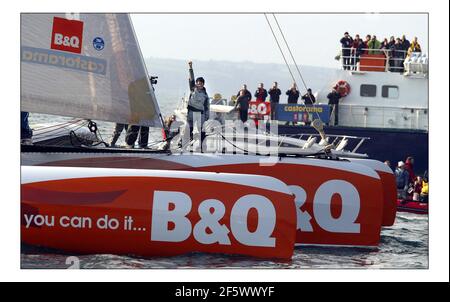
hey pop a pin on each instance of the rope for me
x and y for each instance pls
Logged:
(290, 52)
(292, 56)
(279, 47)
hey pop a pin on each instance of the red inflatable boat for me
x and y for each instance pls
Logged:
(404, 205)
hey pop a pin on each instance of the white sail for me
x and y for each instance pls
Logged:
(85, 65)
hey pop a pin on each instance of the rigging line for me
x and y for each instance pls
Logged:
(55, 130)
(290, 52)
(279, 47)
(293, 59)
(74, 121)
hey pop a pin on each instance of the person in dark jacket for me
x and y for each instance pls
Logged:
(405, 45)
(390, 53)
(198, 105)
(26, 133)
(346, 43)
(247, 93)
(242, 104)
(293, 94)
(333, 101)
(274, 93)
(309, 99)
(397, 56)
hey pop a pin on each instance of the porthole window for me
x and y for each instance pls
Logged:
(368, 90)
(389, 91)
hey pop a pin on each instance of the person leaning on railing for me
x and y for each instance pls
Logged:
(389, 54)
(366, 44)
(346, 43)
(374, 45)
(397, 54)
(405, 45)
(414, 47)
(356, 51)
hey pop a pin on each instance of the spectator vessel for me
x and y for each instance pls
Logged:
(389, 105)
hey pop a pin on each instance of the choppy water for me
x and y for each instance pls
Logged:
(404, 245)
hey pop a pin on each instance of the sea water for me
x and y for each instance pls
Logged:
(403, 245)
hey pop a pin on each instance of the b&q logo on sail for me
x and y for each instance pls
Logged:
(67, 35)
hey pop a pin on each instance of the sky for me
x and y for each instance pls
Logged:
(313, 38)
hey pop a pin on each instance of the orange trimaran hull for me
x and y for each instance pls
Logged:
(333, 202)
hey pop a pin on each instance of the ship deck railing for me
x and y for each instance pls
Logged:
(382, 60)
(337, 139)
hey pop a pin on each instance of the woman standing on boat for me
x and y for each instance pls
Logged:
(198, 105)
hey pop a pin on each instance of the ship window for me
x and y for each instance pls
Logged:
(368, 90)
(389, 91)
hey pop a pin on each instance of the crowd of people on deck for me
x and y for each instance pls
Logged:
(395, 49)
(242, 101)
(410, 186)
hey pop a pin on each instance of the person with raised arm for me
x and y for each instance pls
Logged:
(198, 105)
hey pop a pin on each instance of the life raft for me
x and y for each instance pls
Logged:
(342, 87)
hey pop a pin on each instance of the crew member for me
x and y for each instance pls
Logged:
(198, 105)
(116, 134)
(26, 133)
(132, 134)
(242, 104)
(346, 43)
